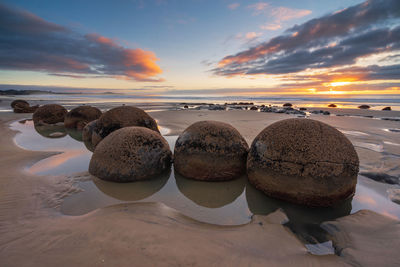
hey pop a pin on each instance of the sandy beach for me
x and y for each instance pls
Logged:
(34, 231)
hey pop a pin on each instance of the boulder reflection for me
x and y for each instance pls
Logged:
(75, 134)
(51, 130)
(132, 191)
(304, 221)
(210, 194)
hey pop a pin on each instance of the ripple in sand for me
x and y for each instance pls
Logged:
(369, 146)
(353, 133)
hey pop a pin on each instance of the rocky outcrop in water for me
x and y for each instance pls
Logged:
(49, 114)
(131, 154)
(78, 117)
(210, 150)
(387, 108)
(303, 161)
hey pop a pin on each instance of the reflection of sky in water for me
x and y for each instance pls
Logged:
(228, 203)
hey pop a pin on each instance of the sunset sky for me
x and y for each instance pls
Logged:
(202, 47)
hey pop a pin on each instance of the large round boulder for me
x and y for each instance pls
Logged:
(210, 150)
(131, 154)
(303, 161)
(78, 117)
(120, 117)
(20, 103)
(49, 114)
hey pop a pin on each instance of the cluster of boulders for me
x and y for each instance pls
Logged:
(22, 106)
(286, 110)
(54, 121)
(323, 112)
(298, 160)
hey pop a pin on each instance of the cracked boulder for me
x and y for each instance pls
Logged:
(120, 117)
(211, 151)
(303, 161)
(131, 154)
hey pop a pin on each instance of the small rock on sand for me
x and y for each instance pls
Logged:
(364, 107)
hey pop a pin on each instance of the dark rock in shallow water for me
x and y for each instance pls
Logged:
(78, 117)
(364, 107)
(19, 102)
(22, 106)
(326, 113)
(302, 109)
(253, 108)
(90, 135)
(387, 108)
(287, 105)
(332, 106)
(303, 161)
(381, 177)
(131, 154)
(121, 117)
(27, 109)
(210, 150)
(216, 107)
(49, 114)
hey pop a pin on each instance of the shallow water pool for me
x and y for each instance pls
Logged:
(222, 203)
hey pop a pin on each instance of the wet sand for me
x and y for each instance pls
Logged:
(34, 232)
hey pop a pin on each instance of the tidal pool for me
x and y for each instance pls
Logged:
(222, 203)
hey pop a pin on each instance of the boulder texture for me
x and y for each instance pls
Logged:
(19, 102)
(78, 117)
(49, 114)
(303, 161)
(131, 154)
(121, 117)
(210, 150)
(90, 135)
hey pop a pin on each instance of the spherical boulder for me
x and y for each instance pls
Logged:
(303, 161)
(78, 117)
(121, 117)
(19, 102)
(210, 150)
(90, 135)
(131, 154)
(49, 114)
